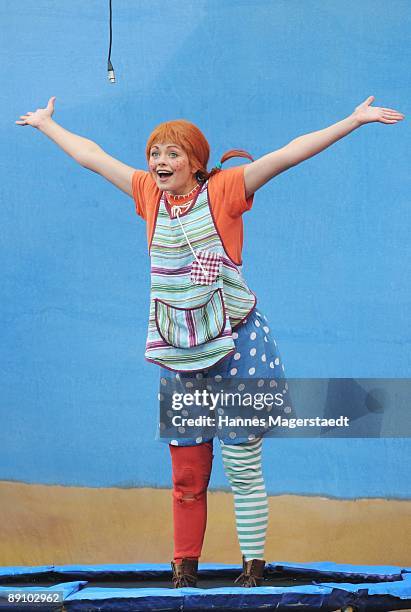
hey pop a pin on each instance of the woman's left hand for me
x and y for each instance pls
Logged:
(365, 113)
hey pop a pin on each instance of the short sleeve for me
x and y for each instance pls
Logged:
(146, 197)
(144, 191)
(229, 186)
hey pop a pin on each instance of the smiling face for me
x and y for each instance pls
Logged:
(171, 169)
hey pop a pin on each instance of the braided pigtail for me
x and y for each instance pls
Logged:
(204, 175)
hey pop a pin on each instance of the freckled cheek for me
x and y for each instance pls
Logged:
(178, 165)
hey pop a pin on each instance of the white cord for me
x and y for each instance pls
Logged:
(176, 210)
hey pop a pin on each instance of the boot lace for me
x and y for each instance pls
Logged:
(185, 580)
(246, 580)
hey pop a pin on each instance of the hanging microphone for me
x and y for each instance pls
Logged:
(110, 69)
(111, 75)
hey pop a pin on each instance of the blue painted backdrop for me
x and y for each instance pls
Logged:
(327, 245)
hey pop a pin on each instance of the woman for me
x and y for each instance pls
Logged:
(203, 322)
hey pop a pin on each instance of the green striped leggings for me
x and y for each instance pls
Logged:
(242, 465)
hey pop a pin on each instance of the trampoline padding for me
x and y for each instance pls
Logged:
(228, 599)
(339, 571)
(363, 587)
(66, 589)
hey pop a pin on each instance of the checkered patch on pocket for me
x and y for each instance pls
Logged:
(211, 262)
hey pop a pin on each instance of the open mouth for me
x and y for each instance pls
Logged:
(163, 175)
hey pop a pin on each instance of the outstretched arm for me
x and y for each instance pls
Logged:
(84, 151)
(265, 168)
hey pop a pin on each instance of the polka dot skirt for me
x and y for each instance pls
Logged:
(256, 356)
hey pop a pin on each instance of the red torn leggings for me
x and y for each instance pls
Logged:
(191, 474)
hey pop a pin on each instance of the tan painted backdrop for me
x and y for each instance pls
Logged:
(42, 525)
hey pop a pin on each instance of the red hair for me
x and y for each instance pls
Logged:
(192, 140)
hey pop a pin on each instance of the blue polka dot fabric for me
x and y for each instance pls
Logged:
(256, 357)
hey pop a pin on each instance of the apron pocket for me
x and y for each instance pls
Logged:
(188, 327)
(209, 262)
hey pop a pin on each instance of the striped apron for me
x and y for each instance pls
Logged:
(198, 294)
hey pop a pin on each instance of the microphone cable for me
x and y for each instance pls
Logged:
(110, 69)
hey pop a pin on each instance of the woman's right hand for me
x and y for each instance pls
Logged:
(41, 114)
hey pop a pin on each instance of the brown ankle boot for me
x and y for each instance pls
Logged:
(253, 573)
(185, 574)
